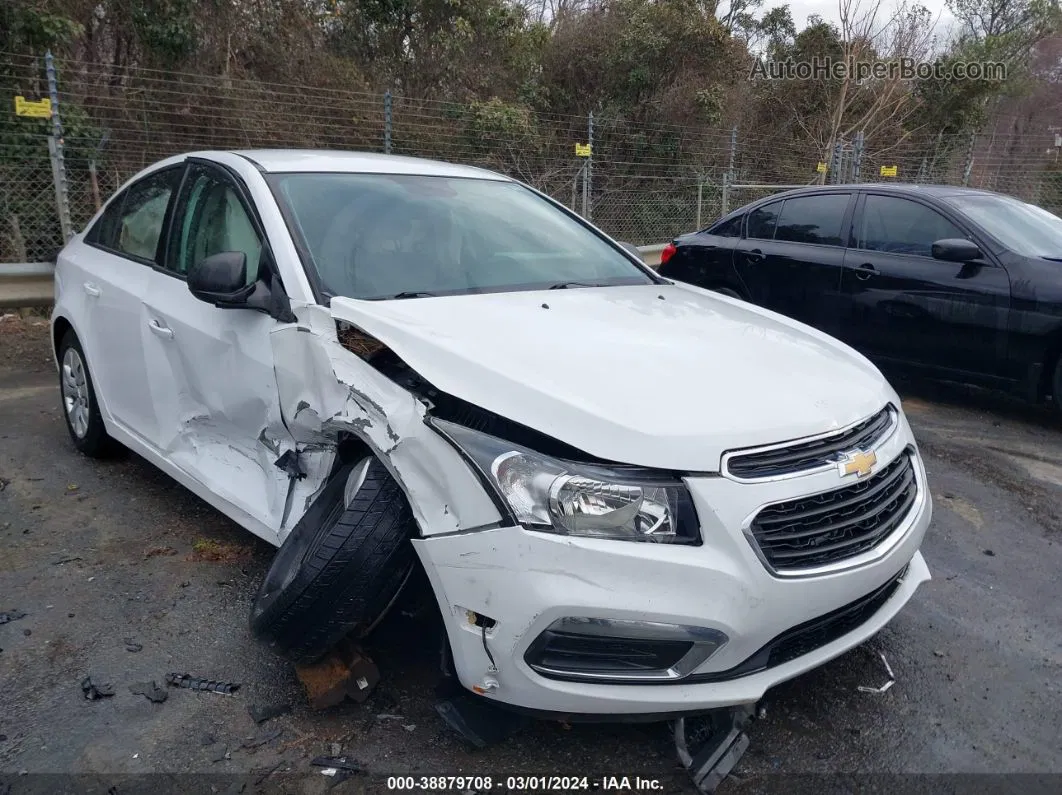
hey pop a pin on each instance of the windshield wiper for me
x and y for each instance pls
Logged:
(566, 285)
(412, 294)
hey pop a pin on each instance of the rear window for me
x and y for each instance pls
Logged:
(813, 219)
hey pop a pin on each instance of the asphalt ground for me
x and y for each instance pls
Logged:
(124, 577)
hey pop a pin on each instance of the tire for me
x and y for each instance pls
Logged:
(81, 409)
(342, 566)
(727, 292)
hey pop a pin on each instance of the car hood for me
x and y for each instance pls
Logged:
(666, 376)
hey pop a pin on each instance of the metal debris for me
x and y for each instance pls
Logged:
(189, 682)
(336, 763)
(884, 687)
(11, 615)
(94, 692)
(150, 691)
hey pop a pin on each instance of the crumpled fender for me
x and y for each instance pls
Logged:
(325, 389)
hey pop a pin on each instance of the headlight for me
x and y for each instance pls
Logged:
(558, 496)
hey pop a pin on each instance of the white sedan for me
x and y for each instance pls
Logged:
(630, 496)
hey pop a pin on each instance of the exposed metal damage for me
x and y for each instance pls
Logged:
(329, 389)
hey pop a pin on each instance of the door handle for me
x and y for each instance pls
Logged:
(865, 271)
(160, 330)
(91, 289)
(755, 255)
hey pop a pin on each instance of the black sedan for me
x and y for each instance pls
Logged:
(949, 282)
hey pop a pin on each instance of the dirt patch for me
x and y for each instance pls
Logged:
(25, 342)
(209, 550)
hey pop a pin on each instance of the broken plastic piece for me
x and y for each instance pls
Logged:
(289, 463)
(11, 615)
(884, 687)
(336, 763)
(345, 672)
(260, 714)
(150, 691)
(709, 746)
(477, 720)
(94, 692)
(189, 682)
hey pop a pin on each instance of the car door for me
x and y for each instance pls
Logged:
(115, 266)
(792, 255)
(903, 305)
(212, 375)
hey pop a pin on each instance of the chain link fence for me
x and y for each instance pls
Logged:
(641, 183)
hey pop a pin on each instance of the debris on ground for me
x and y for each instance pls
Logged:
(150, 691)
(132, 646)
(709, 746)
(266, 737)
(477, 720)
(11, 615)
(189, 682)
(344, 673)
(155, 552)
(260, 714)
(93, 691)
(210, 551)
(990, 553)
(884, 687)
(338, 767)
(221, 753)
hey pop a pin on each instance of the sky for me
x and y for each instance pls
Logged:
(827, 9)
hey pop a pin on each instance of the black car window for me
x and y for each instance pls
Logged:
(813, 219)
(136, 229)
(731, 228)
(762, 221)
(901, 226)
(212, 219)
(105, 231)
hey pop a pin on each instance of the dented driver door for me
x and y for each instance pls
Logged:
(211, 369)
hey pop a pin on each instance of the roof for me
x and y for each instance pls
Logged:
(333, 161)
(892, 187)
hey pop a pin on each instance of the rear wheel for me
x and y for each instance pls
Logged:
(342, 566)
(81, 409)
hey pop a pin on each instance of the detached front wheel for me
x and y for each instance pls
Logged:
(341, 567)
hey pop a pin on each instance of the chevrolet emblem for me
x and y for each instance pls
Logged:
(858, 463)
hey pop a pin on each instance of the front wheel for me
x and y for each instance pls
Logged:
(81, 409)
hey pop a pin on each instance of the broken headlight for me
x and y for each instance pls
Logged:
(544, 493)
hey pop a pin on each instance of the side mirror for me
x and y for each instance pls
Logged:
(955, 250)
(633, 249)
(221, 279)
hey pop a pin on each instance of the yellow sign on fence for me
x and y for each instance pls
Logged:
(821, 167)
(889, 171)
(41, 109)
(582, 150)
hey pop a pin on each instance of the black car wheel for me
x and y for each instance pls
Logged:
(81, 409)
(341, 567)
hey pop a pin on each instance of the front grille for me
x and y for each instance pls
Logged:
(829, 527)
(802, 456)
(809, 636)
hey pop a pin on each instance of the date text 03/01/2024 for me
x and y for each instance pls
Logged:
(523, 783)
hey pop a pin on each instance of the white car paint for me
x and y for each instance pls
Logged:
(664, 376)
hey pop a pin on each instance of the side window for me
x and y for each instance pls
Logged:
(212, 219)
(813, 219)
(901, 226)
(763, 220)
(731, 228)
(105, 231)
(143, 213)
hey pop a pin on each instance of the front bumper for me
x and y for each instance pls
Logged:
(526, 580)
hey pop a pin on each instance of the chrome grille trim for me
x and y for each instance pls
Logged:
(811, 454)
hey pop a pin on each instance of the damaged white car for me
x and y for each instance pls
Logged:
(631, 497)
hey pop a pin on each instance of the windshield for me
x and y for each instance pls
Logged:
(1023, 228)
(377, 236)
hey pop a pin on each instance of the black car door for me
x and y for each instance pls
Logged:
(903, 305)
(792, 255)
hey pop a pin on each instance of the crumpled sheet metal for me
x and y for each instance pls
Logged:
(325, 389)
